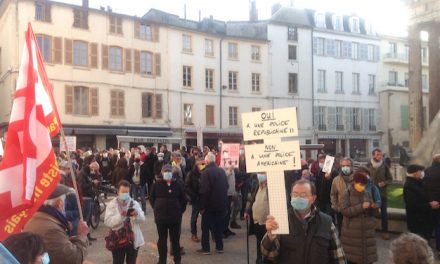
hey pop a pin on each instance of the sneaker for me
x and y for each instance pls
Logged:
(234, 225)
(203, 252)
(194, 238)
(219, 251)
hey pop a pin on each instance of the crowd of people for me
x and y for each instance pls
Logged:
(331, 214)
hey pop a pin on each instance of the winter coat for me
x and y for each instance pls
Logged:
(61, 248)
(214, 188)
(358, 227)
(339, 187)
(432, 181)
(323, 187)
(114, 220)
(419, 215)
(168, 201)
(85, 181)
(380, 174)
(120, 172)
(192, 185)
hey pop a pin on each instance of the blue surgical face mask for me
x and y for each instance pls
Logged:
(346, 170)
(299, 204)
(124, 196)
(261, 177)
(45, 258)
(168, 176)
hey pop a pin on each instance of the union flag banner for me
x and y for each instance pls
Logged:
(29, 172)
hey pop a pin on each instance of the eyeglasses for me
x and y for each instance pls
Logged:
(302, 195)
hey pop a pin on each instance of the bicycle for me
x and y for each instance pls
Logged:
(98, 203)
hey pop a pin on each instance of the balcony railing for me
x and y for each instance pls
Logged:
(372, 128)
(356, 128)
(340, 127)
(322, 127)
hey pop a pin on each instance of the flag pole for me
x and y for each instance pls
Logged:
(72, 174)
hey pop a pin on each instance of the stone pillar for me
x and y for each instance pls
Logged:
(415, 88)
(434, 72)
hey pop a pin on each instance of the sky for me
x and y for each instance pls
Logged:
(389, 17)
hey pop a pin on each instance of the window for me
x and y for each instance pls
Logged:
(80, 54)
(115, 58)
(370, 52)
(424, 55)
(339, 119)
(292, 33)
(406, 79)
(145, 32)
(115, 24)
(45, 45)
(293, 83)
(369, 28)
(209, 47)
(233, 116)
(210, 115)
(392, 78)
(339, 82)
(209, 79)
(255, 53)
(256, 109)
(355, 51)
(371, 120)
(146, 62)
(187, 114)
(151, 105)
(392, 49)
(232, 82)
(320, 20)
(232, 51)
(42, 11)
(424, 82)
(371, 84)
(255, 82)
(355, 119)
(322, 124)
(186, 76)
(292, 52)
(338, 23)
(80, 100)
(404, 117)
(186, 43)
(81, 18)
(321, 81)
(356, 88)
(320, 46)
(338, 48)
(354, 25)
(117, 103)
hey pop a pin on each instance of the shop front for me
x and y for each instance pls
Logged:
(211, 137)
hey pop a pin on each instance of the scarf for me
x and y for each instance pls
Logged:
(376, 164)
(55, 213)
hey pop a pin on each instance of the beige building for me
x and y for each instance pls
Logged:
(124, 80)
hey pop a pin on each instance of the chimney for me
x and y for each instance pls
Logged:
(184, 11)
(253, 12)
(85, 4)
(200, 15)
(275, 8)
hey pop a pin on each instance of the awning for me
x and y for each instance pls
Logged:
(149, 133)
(99, 131)
(161, 140)
(215, 133)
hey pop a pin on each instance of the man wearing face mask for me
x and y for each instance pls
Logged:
(158, 164)
(312, 235)
(51, 224)
(418, 205)
(257, 211)
(323, 183)
(339, 187)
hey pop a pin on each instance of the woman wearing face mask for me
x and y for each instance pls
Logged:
(117, 211)
(24, 248)
(257, 211)
(419, 207)
(358, 226)
(168, 201)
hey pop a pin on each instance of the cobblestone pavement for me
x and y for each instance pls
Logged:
(234, 247)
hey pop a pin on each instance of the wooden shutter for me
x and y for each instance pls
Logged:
(121, 103)
(113, 103)
(68, 101)
(94, 101)
(128, 60)
(47, 14)
(68, 51)
(155, 30)
(137, 61)
(158, 107)
(144, 105)
(137, 26)
(157, 71)
(93, 55)
(119, 25)
(104, 50)
(57, 56)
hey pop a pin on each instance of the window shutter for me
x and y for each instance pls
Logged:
(315, 45)
(128, 60)
(364, 121)
(155, 33)
(104, 50)
(157, 71)
(348, 119)
(330, 47)
(113, 102)
(112, 24)
(57, 50)
(137, 63)
(68, 51)
(47, 14)
(121, 105)
(331, 118)
(144, 104)
(137, 26)
(93, 55)
(94, 102)
(68, 101)
(158, 107)
(316, 117)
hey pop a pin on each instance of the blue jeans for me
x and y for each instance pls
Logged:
(87, 210)
(139, 190)
(214, 222)
(384, 213)
(194, 215)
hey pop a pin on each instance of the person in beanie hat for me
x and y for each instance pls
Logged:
(358, 226)
(419, 208)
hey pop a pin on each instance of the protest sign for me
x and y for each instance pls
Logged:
(71, 144)
(230, 155)
(328, 164)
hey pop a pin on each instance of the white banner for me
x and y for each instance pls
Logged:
(71, 143)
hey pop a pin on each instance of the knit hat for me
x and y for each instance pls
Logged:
(360, 177)
(413, 168)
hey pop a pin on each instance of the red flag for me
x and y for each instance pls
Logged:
(29, 172)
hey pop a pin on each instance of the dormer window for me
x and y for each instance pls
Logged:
(369, 28)
(338, 22)
(320, 20)
(354, 25)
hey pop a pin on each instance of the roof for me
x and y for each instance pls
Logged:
(291, 16)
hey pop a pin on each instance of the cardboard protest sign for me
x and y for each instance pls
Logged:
(71, 144)
(328, 164)
(230, 155)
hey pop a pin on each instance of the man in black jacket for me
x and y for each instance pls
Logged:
(432, 184)
(213, 203)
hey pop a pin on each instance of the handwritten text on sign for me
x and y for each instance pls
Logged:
(275, 123)
(273, 156)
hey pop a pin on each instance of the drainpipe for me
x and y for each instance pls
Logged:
(313, 89)
(221, 84)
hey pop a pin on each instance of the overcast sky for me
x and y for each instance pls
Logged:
(389, 16)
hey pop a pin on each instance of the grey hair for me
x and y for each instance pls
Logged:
(52, 202)
(210, 157)
(410, 248)
(345, 159)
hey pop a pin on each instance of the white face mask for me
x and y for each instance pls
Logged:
(422, 175)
